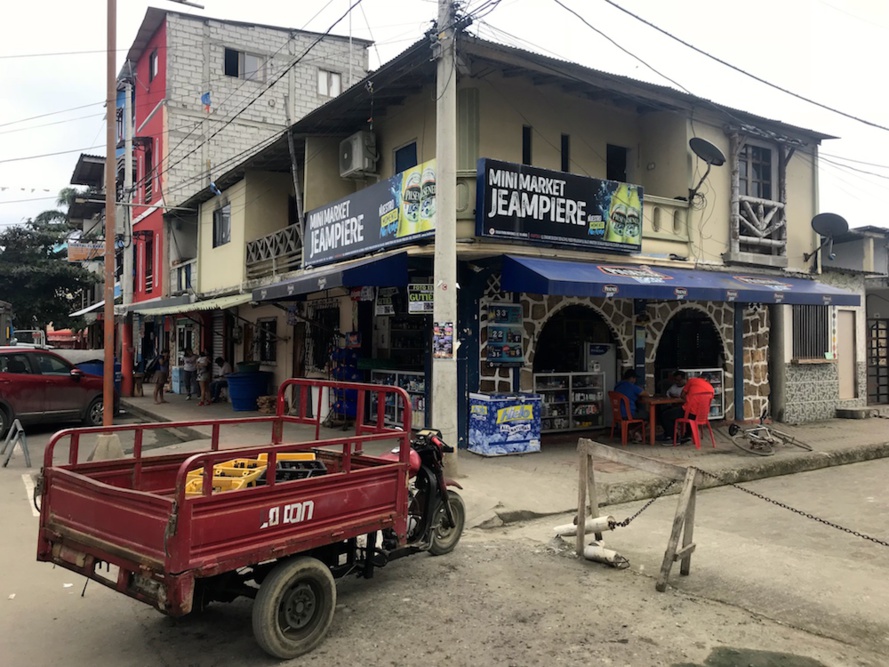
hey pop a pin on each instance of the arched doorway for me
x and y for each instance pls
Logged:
(690, 341)
(561, 345)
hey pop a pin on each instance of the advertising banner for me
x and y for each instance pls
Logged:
(505, 331)
(393, 212)
(524, 203)
(84, 251)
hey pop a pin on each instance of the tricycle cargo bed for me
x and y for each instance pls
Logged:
(143, 515)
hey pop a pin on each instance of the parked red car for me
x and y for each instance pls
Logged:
(38, 385)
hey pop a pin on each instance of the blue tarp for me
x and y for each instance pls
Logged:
(629, 281)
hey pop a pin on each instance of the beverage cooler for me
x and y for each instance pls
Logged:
(714, 376)
(502, 424)
(602, 358)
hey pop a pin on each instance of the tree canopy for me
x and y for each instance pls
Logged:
(35, 275)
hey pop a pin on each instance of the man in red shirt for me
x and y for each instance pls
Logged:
(693, 386)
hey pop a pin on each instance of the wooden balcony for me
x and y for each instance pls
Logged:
(276, 253)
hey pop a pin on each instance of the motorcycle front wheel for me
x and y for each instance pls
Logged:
(444, 535)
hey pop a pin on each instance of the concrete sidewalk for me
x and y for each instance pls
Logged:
(511, 488)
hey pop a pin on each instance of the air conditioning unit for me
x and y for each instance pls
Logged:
(358, 155)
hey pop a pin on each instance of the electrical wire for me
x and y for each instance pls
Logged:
(35, 157)
(51, 113)
(744, 72)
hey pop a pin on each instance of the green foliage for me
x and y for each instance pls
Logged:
(35, 275)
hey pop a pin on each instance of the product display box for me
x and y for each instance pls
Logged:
(502, 424)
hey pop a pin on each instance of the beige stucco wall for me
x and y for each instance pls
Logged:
(321, 179)
(266, 205)
(222, 267)
(801, 208)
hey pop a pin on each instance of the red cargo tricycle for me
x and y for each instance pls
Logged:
(276, 522)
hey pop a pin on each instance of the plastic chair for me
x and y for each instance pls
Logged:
(699, 406)
(619, 401)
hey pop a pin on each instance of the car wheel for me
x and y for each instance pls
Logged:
(5, 422)
(94, 413)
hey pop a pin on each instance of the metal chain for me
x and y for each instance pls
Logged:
(794, 510)
(626, 522)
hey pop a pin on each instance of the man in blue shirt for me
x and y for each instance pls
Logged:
(634, 393)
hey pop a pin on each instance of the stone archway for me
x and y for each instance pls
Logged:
(720, 314)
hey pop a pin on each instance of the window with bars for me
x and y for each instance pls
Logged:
(149, 264)
(148, 176)
(811, 332)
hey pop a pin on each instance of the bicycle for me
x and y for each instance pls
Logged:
(762, 439)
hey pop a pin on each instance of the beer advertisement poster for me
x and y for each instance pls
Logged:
(505, 331)
(524, 203)
(395, 211)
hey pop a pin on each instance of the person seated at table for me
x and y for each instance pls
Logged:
(679, 380)
(695, 385)
(634, 393)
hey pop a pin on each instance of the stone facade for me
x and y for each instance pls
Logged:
(619, 316)
(195, 65)
(813, 389)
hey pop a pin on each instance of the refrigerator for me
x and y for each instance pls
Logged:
(602, 358)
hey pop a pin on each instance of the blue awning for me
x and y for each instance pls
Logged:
(628, 281)
(385, 271)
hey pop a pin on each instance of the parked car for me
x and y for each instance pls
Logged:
(39, 386)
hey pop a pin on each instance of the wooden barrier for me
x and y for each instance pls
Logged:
(683, 521)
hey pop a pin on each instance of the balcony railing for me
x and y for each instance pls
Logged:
(761, 226)
(665, 219)
(275, 253)
(185, 275)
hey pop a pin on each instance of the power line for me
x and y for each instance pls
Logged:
(35, 157)
(56, 122)
(56, 53)
(744, 72)
(19, 201)
(51, 113)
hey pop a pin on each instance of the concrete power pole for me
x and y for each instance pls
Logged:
(126, 280)
(444, 367)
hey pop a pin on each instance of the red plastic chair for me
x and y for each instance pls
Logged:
(617, 401)
(699, 406)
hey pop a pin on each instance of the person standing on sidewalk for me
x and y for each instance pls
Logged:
(203, 369)
(217, 385)
(161, 373)
(189, 368)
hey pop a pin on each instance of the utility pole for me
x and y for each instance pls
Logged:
(110, 203)
(444, 312)
(126, 280)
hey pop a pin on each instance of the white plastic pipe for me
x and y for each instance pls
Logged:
(597, 525)
(600, 554)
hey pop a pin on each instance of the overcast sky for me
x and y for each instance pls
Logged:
(832, 51)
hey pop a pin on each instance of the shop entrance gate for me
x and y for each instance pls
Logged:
(877, 361)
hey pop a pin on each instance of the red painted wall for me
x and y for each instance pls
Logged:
(149, 132)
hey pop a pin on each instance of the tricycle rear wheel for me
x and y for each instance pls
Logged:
(444, 536)
(294, 607)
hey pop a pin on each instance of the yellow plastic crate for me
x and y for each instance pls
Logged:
(227, 476)
(290, 456)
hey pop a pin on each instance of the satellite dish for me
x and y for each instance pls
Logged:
(827, 225)
(709, 154)
(706, 151)
(830, 224)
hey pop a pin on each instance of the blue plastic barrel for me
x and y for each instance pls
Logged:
(245, 388)
(97, 367)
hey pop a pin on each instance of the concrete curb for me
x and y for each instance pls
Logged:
(185, 434)
(624, 492)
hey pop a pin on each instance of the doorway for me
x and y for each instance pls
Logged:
(560, 347)
(690, 341)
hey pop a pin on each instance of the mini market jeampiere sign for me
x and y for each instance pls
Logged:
(393, 212)
(520, 202)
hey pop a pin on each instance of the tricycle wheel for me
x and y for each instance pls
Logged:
(294, 607)
(444, 535)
